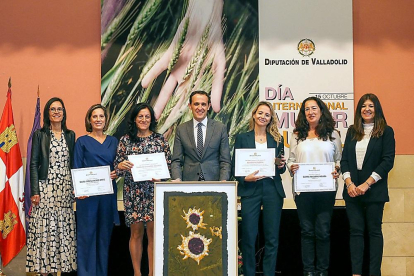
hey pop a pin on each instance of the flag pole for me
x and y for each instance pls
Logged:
(1, 267)
(1, 262)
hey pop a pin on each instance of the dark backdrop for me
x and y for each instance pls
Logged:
(289, 257)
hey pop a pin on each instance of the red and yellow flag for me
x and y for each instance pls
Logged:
(12, 233)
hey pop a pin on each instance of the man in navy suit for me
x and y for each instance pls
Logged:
(201, 146)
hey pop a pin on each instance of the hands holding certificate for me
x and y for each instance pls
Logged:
(295, 167)
(128, 165)
(125, 165)
(112, 175)
(146, 166)
(314, 177)
(253, 177)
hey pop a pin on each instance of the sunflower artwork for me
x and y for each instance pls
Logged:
(195, 233)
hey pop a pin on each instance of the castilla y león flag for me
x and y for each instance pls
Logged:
(12, 234)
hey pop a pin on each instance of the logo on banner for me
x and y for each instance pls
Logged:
(306, 47)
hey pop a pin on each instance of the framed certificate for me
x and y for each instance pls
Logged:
(92, 181)
(195, 228)
(314, 177)
(251, 160)
(149, 166)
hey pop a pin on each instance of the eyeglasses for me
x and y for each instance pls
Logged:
(309, 109)
(56, 110)
(142, 117)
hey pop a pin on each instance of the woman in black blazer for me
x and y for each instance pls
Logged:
(256, 190)
(51, 237)
(367, 158)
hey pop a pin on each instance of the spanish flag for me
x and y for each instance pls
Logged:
(12, 232)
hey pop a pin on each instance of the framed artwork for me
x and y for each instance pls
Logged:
(195, 228)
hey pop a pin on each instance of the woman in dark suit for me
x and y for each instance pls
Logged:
(368, 156)
(257, 190)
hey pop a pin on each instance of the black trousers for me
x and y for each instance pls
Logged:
(369, 215)
(315, 213)
(265, 194)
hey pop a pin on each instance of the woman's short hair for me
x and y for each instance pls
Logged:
(46, 114)
(326, 124)
(132, 126)
(88, 125)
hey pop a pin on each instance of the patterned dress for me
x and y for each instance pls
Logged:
(139, 196)
(51, 242)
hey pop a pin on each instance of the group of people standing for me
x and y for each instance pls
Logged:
(365, 161)
(55, 241)
(201, 152)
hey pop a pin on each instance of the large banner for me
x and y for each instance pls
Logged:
(159, 51)
(306, 49)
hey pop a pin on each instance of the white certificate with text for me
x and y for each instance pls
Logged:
(248, 161)
(92, 181)
(149, 166)
(314, 177)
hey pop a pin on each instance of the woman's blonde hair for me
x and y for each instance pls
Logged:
(271, 128)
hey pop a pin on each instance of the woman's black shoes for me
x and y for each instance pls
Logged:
(324, 273)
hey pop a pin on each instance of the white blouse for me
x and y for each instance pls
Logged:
(361, 150)
(314, 150)
(361, 146)
(261, 145)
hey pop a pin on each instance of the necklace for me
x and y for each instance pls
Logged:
(260, 138)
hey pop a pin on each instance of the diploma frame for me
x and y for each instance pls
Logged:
(157, 166)
(269, 163)
(104, 171)
(215, 204)
(331, 187)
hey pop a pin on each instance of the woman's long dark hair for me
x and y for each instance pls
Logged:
(379, 119)
(132, 126)
(46, 115)
(325, 127)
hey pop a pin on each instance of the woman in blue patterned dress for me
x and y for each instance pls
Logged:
(96, 215)
(139, 196)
